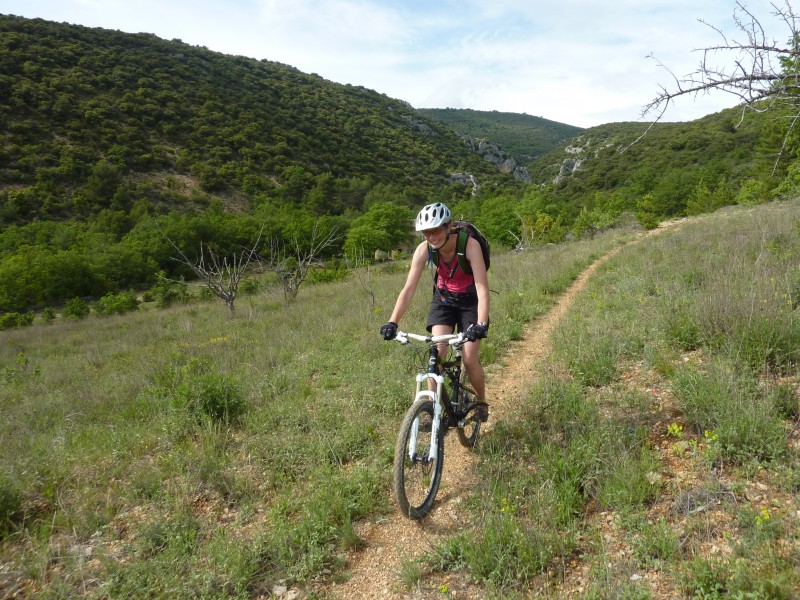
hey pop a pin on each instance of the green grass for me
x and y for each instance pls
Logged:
(706, 314)
(179, 452)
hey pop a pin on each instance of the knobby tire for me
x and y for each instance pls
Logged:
(416, 481)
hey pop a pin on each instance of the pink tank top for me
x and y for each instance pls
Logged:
(453, 278)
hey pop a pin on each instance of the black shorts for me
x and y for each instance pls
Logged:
(459, 311)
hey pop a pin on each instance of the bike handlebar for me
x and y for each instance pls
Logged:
(453, 339)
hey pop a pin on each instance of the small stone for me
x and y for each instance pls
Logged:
(636, 577)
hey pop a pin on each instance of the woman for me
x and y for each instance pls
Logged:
(460, 299)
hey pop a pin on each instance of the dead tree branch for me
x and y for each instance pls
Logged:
(361, 267)
(292, 264)
(221, 275)
(761, 73)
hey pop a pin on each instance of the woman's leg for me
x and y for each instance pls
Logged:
(474, 369)
(440, 330)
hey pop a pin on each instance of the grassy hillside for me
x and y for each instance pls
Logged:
(663, 440)
(111, 141)
(182, 453)
(524, 136)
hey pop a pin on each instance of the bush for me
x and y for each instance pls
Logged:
(76, 309)
(117, 304)
(168, 292)
(206, 394)
(327, 275)
(250, 286)
(13, 320)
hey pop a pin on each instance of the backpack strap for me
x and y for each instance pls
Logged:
(433, 259)
(461, 251)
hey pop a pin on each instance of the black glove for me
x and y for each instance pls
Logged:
(389, 331)
(476, 331)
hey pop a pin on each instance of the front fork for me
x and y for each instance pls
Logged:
(424, 392)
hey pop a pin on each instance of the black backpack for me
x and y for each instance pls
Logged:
(465, 230)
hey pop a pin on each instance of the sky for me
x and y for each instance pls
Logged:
(580, 62)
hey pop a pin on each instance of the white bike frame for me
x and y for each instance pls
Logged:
(423, 392)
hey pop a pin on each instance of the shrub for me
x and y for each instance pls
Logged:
(13, 320)
(250, 286)
(168, 292)
(327, 275)
(206, 394)
(76, 309)
(117, 304)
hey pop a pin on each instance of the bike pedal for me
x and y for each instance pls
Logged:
(480, 412)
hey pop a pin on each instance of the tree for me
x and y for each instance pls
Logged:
(102, 184)
(385, 226)
(762, 73)
(292, 262)
(221, 275)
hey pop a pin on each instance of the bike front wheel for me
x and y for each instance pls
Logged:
(416, 474)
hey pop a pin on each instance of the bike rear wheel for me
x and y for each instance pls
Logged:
(467, 435)
(416, 475)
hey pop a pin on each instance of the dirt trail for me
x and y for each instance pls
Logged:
(389, 543)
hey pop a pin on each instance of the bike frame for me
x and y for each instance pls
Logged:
(422, 384)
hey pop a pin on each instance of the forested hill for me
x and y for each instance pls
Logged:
(668, 169)
(135, 107)
(110, 143)
(524, 136)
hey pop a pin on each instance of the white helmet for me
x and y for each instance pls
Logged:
(431, 216)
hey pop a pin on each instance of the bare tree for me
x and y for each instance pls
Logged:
(292, 262)
(762, 73)
(221, 275)
(361, 267)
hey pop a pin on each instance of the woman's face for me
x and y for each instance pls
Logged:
(437, 236)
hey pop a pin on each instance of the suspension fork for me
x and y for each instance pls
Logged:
(423, 390)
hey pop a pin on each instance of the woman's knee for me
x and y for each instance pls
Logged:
(472, 359)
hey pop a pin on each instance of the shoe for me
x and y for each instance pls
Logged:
(480, 413)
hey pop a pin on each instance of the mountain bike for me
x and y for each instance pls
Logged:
(442, 402)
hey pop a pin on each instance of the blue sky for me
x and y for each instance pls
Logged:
(581, 62)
